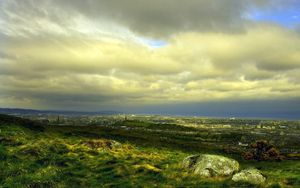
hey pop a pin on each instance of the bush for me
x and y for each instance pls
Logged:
(262, 151)
(3, 153)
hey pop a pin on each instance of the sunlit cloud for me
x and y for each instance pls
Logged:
(109, 55)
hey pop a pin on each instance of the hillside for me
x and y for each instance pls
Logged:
(33, 155)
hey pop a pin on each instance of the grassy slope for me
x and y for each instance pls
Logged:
(64, 157)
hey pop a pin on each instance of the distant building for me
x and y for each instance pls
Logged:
(44, 121)
(242, 144)
(226, 126)
(282, 127)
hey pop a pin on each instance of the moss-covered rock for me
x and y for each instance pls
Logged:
(211, 165)
(252, 176)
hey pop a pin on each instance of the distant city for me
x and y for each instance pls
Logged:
(109, 118)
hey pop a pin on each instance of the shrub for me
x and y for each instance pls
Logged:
(262, 151)
(3, 153)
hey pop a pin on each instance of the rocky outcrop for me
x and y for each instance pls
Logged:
(252, 176)
(211, 165)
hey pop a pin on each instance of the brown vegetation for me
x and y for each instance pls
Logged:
(262, 151)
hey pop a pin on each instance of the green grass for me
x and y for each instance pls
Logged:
(84, 157)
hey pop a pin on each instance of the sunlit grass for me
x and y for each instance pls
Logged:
(52, 158)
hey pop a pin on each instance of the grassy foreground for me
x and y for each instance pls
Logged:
(39, 156)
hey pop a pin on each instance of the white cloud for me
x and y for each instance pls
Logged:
(85, 61)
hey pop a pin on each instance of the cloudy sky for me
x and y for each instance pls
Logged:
(196, 57)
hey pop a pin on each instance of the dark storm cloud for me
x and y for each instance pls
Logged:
(153, 18)
(158, 17)
(161, 18)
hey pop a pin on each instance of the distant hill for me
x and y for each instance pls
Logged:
(32, 125)
(20, 111)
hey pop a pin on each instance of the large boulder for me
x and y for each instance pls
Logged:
(207, 165)
(252, 176)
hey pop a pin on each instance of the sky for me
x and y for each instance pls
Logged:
(193, 57)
